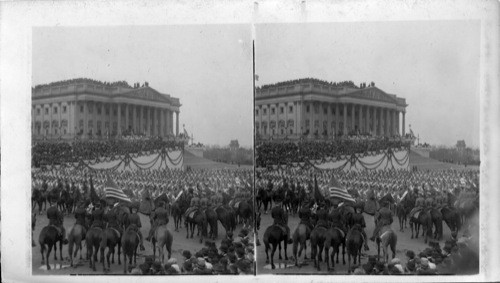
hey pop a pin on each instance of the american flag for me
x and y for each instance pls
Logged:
(337, 192)
(112, 191)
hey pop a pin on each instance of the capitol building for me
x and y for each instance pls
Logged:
(86, 108)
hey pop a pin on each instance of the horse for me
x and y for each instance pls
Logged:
(226, 217)
(288, 200)
(387, 238)
(198, 219)
(354, 243)
(437, 221)
(334, 239)
(110, 239)
(48, 238)
(318, 238)
(93, 242)
(177, 215)
(301, 234)
(53, 196)
(451, 217)
(263, 198)
(212, 219)
(75, 237)
(403, 209)
(274, 235)
(38, 197)
(129, 243)
(164, 238)
(65, 202)
(424, 219)
(467, 209)
(245, 213)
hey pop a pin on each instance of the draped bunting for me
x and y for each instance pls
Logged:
(155, 159)
(377, 160)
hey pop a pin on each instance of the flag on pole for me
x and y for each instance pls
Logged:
(337, 192)
(112, 191)
(316, 193)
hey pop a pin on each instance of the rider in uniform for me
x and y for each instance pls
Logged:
(322, 216)
(419, 204)
(384, 217)
(56, 219)
(160, 217)
(305, 217)
(98, 216)
(358, 218)
(336, 218)
(194, 205)
(112, 218)
(80, 215)
(280, 218)
(134, 219)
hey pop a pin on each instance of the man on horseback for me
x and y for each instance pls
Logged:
(337, 219)
(56, 219)
(322, 216)
(135, 223)
(160, 217)
(358, 218)
(80, 215)
(193, 206)
(419, 204)
(280, 218)
(98, 216)
(383, 218)
(305, 216)
(112, 218)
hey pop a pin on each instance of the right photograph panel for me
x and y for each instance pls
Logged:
(367, 148)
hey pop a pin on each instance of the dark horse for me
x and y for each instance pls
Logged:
(39, 198)
(263, 198)
(245, 213)
(198, 219)
(274, 235)
(49, 236)
(226, 217)
(318, 238)
(129, 244)
(437, 221)
(178, 209)
(93, 242)
(424, 219)
(212, 221)
(111, 236)
(334, 239)
(403, 209)
(354, 242)
(451, 217)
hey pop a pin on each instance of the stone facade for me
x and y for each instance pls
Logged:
(94, 110)
(327, 111)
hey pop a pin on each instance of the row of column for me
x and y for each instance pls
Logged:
(375, 120)
(151, 121)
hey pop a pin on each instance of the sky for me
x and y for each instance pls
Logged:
(208, 67)
(435, 65)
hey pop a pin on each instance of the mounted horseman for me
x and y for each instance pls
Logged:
(56, 220)
(358, 218)
(384, 217)
(419, 204)
(160, 217)
(280, 217)
(134, 223)
(337, 218)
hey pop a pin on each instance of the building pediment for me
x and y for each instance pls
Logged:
(373, 93)
(145, 93)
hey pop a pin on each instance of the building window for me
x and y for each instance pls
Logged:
(64, 109)
(272, 111)
(291, 131)
(325, 110)
(290, 109)
(98, 110)
(38, 111)
(81, 108)
(91, 109)
(55, 110)
(46, 111)
(282, 110)
(316, 109)
(256, 112)
(106, 110)
(307, 108)
(265, 111)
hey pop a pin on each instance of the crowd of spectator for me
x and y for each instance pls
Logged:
(349, 84)
(86, 80)
(45, 152)
(233, 257)
(275, 153)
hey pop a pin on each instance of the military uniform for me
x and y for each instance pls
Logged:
(281, 220)
(134, 223)
(56, 219)
(80, 215)
(384, 217)
(98, 218)
(336, 219)
(322, 216)
(160, 217)
(194, 205)
(419, 205)
(358, 218)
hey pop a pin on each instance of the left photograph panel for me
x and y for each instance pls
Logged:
(142, 150)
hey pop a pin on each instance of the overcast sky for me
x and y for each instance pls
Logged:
(209, 67)
(433, 64)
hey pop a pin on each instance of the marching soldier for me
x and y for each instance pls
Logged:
(56, 219)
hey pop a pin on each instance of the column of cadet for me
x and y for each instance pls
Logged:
(339, 117)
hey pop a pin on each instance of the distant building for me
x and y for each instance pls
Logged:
(461, 144)
(234, 145)
(310, 107)
(87, 108)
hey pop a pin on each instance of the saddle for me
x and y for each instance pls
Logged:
(190, 212)
(281, 227)
(59, 230)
